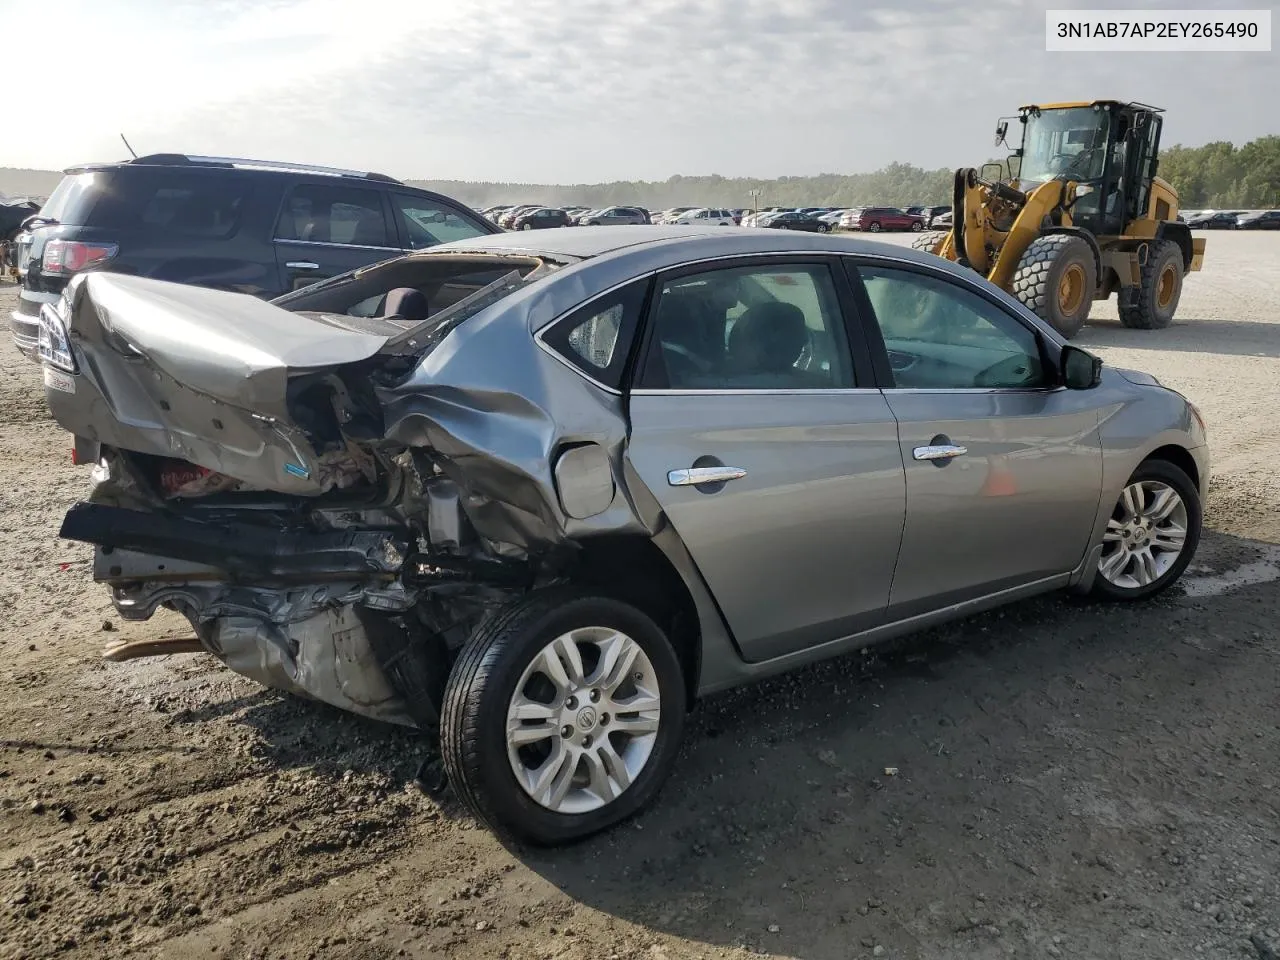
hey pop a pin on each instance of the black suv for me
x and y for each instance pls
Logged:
(250, 226)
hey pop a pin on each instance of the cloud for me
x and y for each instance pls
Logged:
(545, 90)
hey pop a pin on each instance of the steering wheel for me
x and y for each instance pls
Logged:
(1075, 162)
(1014, 371)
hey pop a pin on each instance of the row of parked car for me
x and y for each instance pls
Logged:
(533, 216)
(1231, 219)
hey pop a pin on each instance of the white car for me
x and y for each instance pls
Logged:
(705, 217)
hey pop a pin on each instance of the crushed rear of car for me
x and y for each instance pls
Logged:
(331, 504)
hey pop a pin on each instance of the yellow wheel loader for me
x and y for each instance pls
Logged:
(1075, 215)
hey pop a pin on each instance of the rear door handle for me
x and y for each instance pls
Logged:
(941, 451)
(302, 265)
(693, 476)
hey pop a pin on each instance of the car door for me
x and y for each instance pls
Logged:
(1003, 465)
(329, 227)
(766, 448)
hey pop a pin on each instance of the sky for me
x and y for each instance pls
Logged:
(581, 91)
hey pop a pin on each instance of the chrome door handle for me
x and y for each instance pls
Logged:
(943, 451)
(693, 476)
(302, 265)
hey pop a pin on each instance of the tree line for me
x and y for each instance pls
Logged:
(1216, 175)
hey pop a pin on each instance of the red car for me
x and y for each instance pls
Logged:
(875, 219)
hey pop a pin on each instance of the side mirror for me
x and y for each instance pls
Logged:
(992, 171)
(1079, 369)
(1002, 128)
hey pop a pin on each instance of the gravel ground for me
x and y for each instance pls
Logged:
(1071, 780)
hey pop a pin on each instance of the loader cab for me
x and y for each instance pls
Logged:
(1107, 147)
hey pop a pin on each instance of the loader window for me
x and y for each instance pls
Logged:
(1069, 143)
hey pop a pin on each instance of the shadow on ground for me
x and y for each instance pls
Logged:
(1233, 338)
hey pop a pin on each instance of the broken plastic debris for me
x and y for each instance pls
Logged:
(890, 771)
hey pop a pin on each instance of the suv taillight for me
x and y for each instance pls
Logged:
(64, 257)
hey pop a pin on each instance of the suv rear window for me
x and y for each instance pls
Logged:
(171, 202)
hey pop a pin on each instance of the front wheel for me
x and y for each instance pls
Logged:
(562, 716)
(916, 226)
(1152, 534)
(1056, 278)
(929, 242)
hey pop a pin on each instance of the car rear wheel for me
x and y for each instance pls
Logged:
(874, 227)
(562, 716)
(1152, 533)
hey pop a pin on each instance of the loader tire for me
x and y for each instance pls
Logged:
(1056, 279)
(1159, 289)
(928, 242)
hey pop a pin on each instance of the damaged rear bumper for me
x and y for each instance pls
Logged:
(240, 549)
(318, 614)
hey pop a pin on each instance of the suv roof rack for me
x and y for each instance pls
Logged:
(182, 159)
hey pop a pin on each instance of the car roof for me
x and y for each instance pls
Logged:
(602, 258)
(192, 161)
(678, 243)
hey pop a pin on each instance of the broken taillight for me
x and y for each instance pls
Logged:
(176, 474)
(65, 257)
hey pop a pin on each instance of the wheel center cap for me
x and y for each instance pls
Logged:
(586, 718)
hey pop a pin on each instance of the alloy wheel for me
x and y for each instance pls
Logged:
(1145, 535)
(583, 720)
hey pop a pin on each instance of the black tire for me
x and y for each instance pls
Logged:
(1164, 472)
(1042, 272)
(1159, 289)
(472, 723)
(916, 226)
(874, 226)
(928, 242)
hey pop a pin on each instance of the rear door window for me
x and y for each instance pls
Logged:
(329, 213)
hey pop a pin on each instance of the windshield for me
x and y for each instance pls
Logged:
(1068, 143)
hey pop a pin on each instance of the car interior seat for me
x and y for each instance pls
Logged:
(407, 303)
(764, 345)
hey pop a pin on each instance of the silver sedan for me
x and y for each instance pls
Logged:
(535, 494)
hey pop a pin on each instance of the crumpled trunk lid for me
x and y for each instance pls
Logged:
(199, 375)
